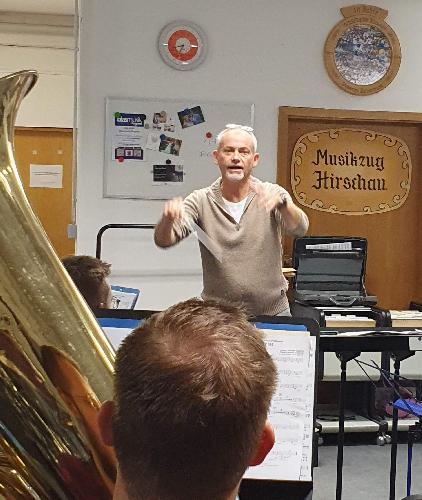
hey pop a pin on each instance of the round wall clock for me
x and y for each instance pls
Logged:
(362, 53)
(182, 45)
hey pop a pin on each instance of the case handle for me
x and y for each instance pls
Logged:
(349, 301)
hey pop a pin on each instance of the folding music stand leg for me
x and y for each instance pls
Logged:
(344, 357)
(397, 357)
(393, 454)
(414, 436)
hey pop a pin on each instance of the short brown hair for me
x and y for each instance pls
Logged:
(89, 275)
(193, 387)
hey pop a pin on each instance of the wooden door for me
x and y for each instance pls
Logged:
(53, 206)
(394, 262)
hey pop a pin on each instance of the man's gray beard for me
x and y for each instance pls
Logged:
(236, 178)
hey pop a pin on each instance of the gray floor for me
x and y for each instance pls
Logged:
(366, 472)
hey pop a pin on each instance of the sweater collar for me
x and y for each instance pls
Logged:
(215, 191)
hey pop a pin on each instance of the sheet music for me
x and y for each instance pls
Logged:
(291, 412)
(344, 245)
(308, 428)
(406, 314)
(123, 298)
(347, 317)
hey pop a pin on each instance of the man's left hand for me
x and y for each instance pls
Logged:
(268, 196)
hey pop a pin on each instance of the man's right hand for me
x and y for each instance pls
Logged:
(173, 210)
(164, 235)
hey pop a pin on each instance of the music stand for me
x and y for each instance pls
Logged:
(258, 489)
(117, 323)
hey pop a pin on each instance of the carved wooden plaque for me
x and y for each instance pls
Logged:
(350, 171)
(362, 52)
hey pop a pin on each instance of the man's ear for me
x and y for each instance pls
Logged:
(255, 159)
(265, 445)
(104, 420)
(215, 156)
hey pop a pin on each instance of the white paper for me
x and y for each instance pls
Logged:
(211, 245)
(359, 333)
(345, 245)
(291, 412)
(128, 142)
(153, 141)
(46, 176)
(415, 343)
(406, 314)
(347, 317)
(308, 427)
(116, 335)
(122, 300)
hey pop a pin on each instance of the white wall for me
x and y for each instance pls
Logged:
(28, 42)
(268, 53)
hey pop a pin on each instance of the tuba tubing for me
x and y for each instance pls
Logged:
(55, 363)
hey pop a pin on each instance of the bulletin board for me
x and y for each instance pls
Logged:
(159, 149)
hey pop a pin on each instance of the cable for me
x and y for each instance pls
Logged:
(378, 368)
(386, 378)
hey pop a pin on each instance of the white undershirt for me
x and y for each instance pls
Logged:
(236, 209)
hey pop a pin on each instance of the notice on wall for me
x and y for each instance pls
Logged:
(46, 176)
(351, 171)
(128, 136)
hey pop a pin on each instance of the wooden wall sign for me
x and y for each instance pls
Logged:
(362, 53)
(393, 268)
(350, 171)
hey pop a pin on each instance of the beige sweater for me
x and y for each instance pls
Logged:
(250, 273)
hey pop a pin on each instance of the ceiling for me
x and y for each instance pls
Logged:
(63, 7)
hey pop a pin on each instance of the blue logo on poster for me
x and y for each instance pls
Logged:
(129, 119)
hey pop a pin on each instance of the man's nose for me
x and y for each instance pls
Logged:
(236, 156)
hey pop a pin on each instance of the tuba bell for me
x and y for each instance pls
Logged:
(55, 363)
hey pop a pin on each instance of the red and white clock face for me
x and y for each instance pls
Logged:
(182, 45)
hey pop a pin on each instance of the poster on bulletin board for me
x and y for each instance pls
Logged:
(158, 149)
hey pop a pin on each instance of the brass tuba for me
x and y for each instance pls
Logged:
(55, 363)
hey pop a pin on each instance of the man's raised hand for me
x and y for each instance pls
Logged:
(173, 209)
(268, 197)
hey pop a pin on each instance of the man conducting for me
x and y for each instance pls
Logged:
(193, 386)
(244, 219)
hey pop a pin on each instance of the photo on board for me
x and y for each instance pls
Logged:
(160, 117)
(159, 120)
(191, 116)
(170, 145)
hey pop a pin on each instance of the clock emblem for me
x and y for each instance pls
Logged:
(182, 45)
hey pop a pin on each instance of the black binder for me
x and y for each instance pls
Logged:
(330, 271)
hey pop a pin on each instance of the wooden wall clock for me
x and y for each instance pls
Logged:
(182, 45)
(362, 53)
